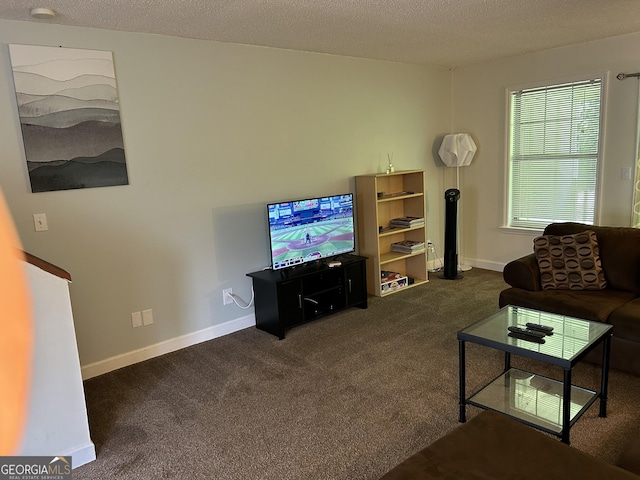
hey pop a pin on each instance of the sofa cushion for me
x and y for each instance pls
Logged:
(596, 305)
(624, 356)
(570, 262)
(626, 321)
(619, 252)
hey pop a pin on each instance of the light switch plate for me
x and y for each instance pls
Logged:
(40, 222)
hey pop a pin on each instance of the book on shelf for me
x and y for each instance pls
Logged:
(407, 246)
(407, 222)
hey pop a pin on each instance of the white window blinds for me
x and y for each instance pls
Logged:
(554, 143)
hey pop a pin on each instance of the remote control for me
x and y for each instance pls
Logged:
(525, 331)
(542, 328)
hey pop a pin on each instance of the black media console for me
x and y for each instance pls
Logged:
(289, 297)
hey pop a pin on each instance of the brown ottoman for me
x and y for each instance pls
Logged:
(492, 446)
(630, 458)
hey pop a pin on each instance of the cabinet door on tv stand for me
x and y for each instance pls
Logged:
(356, 284)
(290, 310)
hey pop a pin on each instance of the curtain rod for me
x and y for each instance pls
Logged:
(622, 76)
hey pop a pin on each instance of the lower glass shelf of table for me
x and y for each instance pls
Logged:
(532, 399)
(541, 402)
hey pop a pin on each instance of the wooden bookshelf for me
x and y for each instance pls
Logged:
(380, 198)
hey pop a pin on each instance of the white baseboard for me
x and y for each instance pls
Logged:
(103, 366)
(487, 265)
(495, 266)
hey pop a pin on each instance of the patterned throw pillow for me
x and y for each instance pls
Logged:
(570, 262)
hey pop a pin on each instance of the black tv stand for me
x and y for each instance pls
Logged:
(289, 297)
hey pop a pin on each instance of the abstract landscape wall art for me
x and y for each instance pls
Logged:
(69, 116)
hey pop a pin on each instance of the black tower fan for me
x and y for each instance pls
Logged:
(451, 197)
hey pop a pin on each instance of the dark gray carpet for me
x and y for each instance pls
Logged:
(344, 397)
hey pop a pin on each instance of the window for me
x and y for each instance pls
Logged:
(554, 149)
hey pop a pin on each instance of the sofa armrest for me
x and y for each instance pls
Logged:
(523, 273)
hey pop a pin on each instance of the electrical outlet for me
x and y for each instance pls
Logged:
(227, 296)
(136, 319)
(147, 317)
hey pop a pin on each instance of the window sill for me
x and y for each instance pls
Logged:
(521, 231)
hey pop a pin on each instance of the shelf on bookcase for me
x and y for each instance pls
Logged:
(399, 197)
(393, 231)
(394, 256)
(415, 283)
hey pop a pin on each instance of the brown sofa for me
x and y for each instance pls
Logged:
(617, 304)
(492, 446)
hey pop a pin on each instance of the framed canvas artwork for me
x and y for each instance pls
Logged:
(69, 116)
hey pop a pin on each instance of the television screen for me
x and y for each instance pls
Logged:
(310, 229)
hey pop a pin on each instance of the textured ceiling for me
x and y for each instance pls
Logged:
(433, 32)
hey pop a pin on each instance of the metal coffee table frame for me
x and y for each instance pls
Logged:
(527, 397)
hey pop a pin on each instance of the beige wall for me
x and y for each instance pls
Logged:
(479, 107)
(212, 132)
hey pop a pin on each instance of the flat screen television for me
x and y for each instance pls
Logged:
(310, 229)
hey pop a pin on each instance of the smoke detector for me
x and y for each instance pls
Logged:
(42, 13)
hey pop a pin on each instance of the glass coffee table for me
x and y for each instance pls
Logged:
(549, 405)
